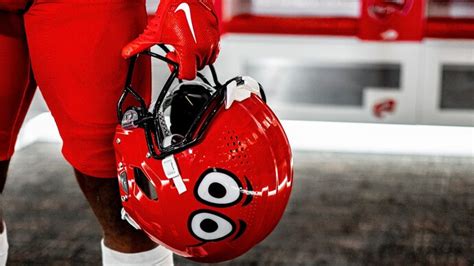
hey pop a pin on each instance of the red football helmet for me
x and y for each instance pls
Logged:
(208, 172)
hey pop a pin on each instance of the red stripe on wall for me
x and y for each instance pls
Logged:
(435, 27)
(448, 28)
(291, 25)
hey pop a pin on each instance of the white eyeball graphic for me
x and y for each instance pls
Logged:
(207, 225)
(218, 188)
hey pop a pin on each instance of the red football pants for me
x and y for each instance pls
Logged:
(71, 50)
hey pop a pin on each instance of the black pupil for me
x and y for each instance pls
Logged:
(208, 225)
(217, 190)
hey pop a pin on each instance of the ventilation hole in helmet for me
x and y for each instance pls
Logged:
(145, 185)
(234, 145)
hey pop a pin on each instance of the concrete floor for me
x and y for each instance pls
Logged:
(346, 209)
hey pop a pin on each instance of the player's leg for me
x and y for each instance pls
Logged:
(122, 243)
(17, 87)
(3, 178)
(3, 175)
(104, 198)
(75, 49)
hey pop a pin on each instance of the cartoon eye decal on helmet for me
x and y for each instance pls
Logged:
(207, 225)
(218, 188)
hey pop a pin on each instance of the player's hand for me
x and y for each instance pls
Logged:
(190, 26)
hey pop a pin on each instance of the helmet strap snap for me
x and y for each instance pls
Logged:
(170, 167)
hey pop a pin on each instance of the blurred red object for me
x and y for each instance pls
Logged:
(392, 20)
(292, 25)
(447, 28)
(384, 107)
(379, 20)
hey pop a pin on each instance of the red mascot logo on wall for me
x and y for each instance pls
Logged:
(392, 20)
(383, 107)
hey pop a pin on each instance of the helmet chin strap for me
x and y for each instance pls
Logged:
(129, 219)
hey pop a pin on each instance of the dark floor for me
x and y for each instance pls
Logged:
(345, 210)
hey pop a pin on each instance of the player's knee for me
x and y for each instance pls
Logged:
(124, 238)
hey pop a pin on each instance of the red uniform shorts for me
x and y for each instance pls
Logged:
(70, 49)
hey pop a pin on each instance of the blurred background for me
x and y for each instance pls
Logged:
(377, 98)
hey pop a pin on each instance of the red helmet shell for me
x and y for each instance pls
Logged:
(245, 147)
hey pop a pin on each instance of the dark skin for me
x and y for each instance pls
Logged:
(104, 198)
(3, 178)
(3, 173)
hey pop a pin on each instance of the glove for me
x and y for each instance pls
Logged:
(190, 26)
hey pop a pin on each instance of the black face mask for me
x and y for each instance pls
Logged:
(188, 101)
(180, 116)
